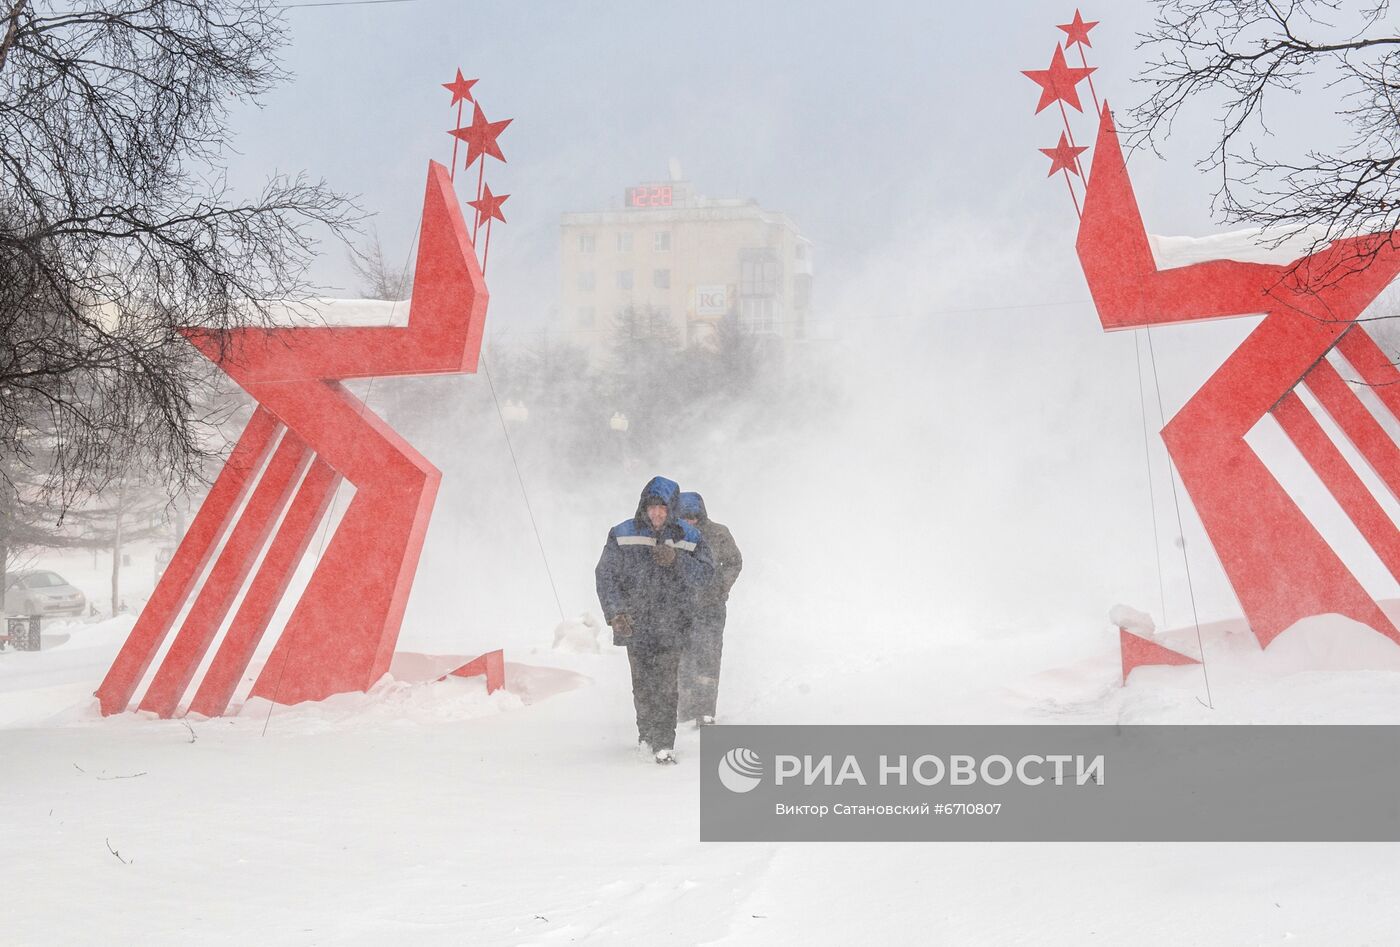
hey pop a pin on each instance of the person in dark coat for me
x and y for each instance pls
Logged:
(651, 569)
(699, 674)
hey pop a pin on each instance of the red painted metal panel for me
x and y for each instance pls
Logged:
(1360, 427)
(1139, 652)
(265, 592)
(180, 576)
(235, 561)
(342, 632)
(491, 665)
(1279, 566)
(1341, 481)
(1374, 367)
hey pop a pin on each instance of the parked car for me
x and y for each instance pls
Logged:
(42, 593)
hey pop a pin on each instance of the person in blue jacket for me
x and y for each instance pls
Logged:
(648, 576)
(699, 674)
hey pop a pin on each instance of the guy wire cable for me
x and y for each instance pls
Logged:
(1185, 559)
(1151, 491)
(486, 369)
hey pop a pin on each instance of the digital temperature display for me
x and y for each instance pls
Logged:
(648, 195)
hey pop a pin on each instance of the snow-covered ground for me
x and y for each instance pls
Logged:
(945, 548)
(431, 813)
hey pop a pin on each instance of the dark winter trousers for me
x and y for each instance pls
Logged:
(654, 693)
(699, 676)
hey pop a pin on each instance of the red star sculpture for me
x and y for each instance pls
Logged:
(481, 135)
(488, 206)
(1063, 157)
(461, 88)
(1057, 82)
(1078, 31)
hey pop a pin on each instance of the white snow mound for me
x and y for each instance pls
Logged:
(1330, 643)
(580, 635)
(342, 312)
(389, 704)
(1243, 246)
(1130, 619)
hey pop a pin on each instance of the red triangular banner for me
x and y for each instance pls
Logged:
(491, 665)
(1138, 651)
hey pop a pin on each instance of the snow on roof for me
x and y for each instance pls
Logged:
(1244, 246)
(342, 312)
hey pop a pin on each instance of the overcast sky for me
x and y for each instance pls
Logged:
(868, 123)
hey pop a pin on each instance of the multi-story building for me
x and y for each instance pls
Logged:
(672, 257)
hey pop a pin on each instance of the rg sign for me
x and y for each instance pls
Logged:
(711, 300)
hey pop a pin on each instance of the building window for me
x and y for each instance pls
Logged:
(585, 315)
(800, 251)
(801, 290)
(661, 279)
(587, 243)
(662, 240)
(586, 279)
(624, 241)
(759, 272)
(624, 279)
(759, 314)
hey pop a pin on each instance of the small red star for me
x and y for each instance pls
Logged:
(460, 88)
(481, 136)
(489, 205)
(1078, 31)
(1063, 157)
(1057, 82)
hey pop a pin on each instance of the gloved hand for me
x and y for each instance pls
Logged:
(662, 554)
(622, 626)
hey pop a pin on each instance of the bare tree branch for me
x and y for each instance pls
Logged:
(378, 278)
(118, 231)
(11, 30)
(1241, 57)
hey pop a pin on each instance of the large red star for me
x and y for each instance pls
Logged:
(489, 205)
(481, 135)
(1078, 31)
(1063, 157)
(1057, 83)
(460, 88)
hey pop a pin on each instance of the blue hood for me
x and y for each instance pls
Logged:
(668, 491)
(692, 506)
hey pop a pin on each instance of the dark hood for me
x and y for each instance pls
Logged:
(668, 491)
(692, 506)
